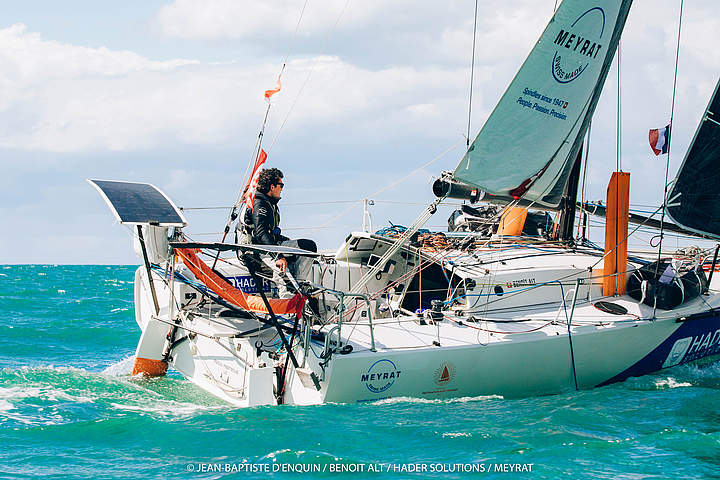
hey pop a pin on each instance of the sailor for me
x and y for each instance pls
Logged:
(261, 226)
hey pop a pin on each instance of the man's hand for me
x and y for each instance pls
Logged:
(281, 263)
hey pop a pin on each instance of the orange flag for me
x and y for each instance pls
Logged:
(270, 93)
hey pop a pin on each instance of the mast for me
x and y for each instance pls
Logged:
(568, 202)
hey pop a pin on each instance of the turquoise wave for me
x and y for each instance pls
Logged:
(69, 409)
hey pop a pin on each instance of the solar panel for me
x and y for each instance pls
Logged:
(139, 203)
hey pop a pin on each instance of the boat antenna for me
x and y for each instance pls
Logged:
(472, 75)
(310, 72)
(667, 162)
(258, 143)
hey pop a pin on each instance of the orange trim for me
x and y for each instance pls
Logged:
(234, 295)
(616, 232)
(512, 221)
(149, 367)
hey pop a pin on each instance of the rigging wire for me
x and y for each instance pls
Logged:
(331, 202)
(258, 142)
(262, 128)
(307, 79)
(387, 187)
(472, 75)
(297, 27)
(667, 163)
(618, 160)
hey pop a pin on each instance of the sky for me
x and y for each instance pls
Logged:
(375, 99)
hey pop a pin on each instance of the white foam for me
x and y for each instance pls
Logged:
(168, 408)
(671, 383)
(393, 400)
(59, 369)
(276, 453)
(711, 371)
(43, 392)
(456, 434)
(123, 367)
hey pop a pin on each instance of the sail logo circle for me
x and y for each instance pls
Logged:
(578, 45)
(380, 376)
(444, 374)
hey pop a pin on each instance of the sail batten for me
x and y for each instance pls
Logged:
(527, 147)
(694, 199)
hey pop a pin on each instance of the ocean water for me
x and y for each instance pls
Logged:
(68, 409)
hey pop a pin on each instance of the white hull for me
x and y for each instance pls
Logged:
(454, 357)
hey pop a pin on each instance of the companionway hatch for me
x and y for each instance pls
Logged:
(139, 203)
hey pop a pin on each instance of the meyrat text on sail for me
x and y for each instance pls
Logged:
(574, 45)
(572, 42)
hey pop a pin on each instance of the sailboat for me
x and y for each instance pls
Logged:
(403, 313)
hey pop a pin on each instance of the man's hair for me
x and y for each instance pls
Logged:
(268, 177)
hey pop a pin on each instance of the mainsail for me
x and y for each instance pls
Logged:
(694, 200)
(528, 145)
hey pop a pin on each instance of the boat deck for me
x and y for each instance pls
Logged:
(529, 324)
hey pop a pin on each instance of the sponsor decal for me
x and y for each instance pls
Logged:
(577, 45)
(247, 284)
(693, 340)
(677, 352)
(444, 374)
(699, 346)
(523, 282)
(380, 376)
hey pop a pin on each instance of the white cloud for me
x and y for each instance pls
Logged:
(65, 98)
(394, 32)
(61, 97)
(238, 19)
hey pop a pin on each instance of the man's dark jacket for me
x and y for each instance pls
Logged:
(263, 222)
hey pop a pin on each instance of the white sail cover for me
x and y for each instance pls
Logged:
(528, 145)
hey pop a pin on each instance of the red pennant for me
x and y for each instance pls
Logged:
(253, 182)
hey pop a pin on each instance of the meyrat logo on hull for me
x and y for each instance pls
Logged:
(578, 45)
(380, 376)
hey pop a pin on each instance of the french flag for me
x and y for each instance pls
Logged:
(660, 140)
